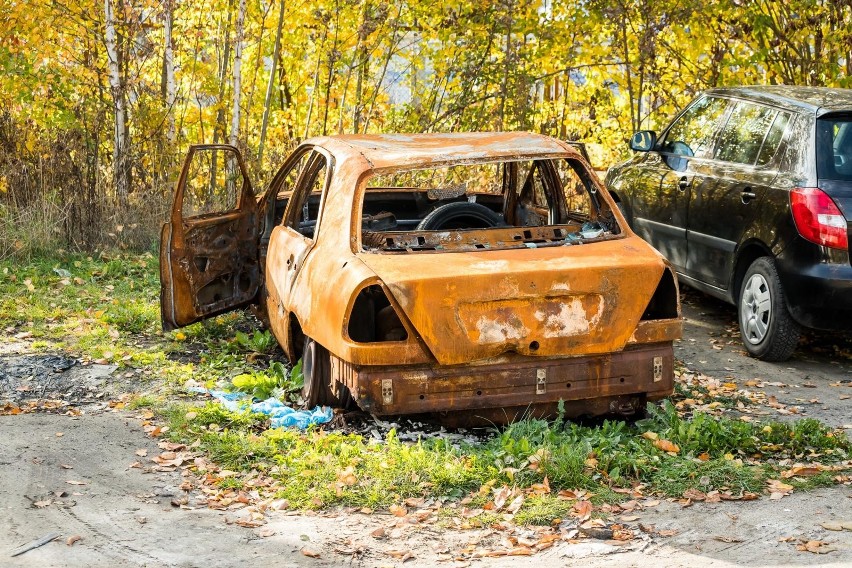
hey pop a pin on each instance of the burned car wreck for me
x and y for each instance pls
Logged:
(478, 274)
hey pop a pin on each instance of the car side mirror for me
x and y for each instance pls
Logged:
(643, 141)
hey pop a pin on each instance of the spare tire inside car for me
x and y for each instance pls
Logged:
(460, 215)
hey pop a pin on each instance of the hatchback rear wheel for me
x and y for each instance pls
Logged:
(766, 327)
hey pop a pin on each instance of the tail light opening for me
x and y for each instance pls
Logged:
(817, 217)
(373, 319)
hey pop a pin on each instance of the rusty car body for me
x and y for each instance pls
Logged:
(487, 274)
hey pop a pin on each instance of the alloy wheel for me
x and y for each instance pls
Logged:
(755, 309)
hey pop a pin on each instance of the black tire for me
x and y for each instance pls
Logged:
(316, 370)
(460, 215)
(767, 329)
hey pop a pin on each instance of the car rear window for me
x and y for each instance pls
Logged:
(834, 148)
(478, 206)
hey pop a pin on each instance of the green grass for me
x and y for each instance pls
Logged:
(106, 307)
(598, 459)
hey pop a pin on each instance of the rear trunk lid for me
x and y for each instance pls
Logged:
(549, 302)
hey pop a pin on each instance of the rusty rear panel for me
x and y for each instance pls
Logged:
(510, 382)
(547, 302)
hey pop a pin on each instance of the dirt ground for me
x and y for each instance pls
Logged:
(71, 475)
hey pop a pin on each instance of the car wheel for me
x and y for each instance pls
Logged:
(766, 327)
(316, 371)
(460, 215)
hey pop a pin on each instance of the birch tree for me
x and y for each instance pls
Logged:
(121, 159)
(169, 84)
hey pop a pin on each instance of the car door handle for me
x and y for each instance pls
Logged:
(683, 183)
(747, 195)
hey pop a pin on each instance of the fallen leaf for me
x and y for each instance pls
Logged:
(414, 502)
(72, 539)
(728, 539)
(583, 509)
(778, 489)
(501, 496)
(74, 482)
(666, 446)
(515, 504)
(816, 547)
(310, 553)
(46, 502)
(379, 533)
(694, 494)
(398, 510)
(142, 452)
(803, 471)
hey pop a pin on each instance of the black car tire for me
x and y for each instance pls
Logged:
(460, 215)
(767, 330)
(316, 370)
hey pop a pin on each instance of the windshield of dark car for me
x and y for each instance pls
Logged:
(834, 148)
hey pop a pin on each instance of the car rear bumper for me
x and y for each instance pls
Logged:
(516, 385)
(818, 295)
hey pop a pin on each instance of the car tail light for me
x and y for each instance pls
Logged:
(817, 217)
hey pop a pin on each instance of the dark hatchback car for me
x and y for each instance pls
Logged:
(748, 193)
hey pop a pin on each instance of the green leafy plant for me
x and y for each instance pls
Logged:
(258, 342)
(274, 381)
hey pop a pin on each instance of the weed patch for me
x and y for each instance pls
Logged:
(317, 469)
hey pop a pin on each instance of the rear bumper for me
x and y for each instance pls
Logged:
(819, 295)
(599, 384)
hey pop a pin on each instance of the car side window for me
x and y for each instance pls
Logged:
(742, 137)
(692, 133)
(284, 182)
(773, 138)
(303, 209)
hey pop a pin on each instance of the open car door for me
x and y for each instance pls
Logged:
(209, 247)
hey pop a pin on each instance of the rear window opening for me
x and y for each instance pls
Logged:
(498, 205)
(834, 148)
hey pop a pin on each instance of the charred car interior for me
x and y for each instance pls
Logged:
(479, 275)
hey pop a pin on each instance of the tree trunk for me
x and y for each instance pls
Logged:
(169, 73)
(276, 52)
(238, 62)
(363, 67)
(225, 60)
(121, 147)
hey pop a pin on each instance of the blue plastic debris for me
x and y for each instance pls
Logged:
(281, 415)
